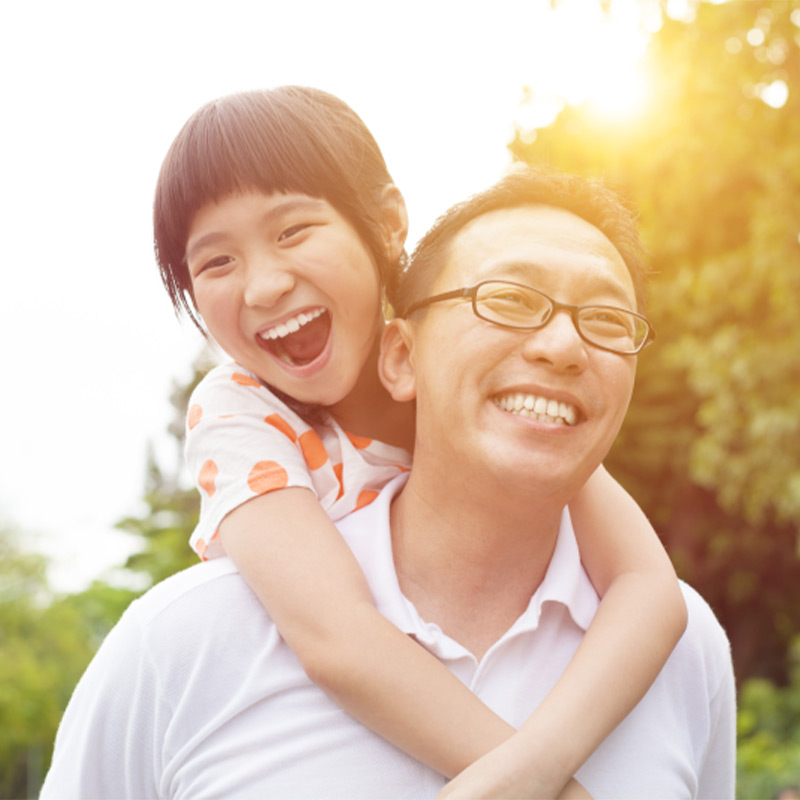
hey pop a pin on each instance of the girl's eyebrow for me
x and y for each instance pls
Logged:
(279, 209)
(199, 244)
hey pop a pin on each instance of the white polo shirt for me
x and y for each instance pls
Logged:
(195, 695)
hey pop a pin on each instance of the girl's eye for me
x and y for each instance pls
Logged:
(214, 263)
(293, 230)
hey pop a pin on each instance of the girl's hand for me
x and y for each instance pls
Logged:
(499, 774)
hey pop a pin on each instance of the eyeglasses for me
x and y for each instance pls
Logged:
(519, 307)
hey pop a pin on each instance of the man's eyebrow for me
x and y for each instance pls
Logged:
(527, 272)
(279, 209)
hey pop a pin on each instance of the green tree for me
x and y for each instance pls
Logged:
(172, 508)
(46, 642)
(710, 446)
(172, 513)
(768, 757)
(45, 645)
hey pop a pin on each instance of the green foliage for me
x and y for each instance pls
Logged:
(768, 756)
(46, 643)
(172, 513)
(716, 172)
(44, 648)
(710, 447)
(172, 510)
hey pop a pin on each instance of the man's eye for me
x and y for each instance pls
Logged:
(508, 296)
(609, 319)
(511, 300)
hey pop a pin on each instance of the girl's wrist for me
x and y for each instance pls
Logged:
(538, 763)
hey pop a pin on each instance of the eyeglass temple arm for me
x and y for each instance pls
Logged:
(468, 292)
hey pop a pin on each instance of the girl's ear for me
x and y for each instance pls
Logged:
(396, 361)
(395, 221)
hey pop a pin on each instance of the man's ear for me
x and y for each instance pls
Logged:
(395, 221)
(396, 361)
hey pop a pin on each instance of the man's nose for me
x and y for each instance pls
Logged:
(557, 343)
(266, 283)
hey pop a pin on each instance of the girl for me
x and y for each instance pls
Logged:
(277, 228)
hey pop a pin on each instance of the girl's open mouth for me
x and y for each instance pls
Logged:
(299, 340)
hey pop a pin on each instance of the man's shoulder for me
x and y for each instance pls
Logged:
(202, 587)
(171, 633)
(702, 620)
(704, 643)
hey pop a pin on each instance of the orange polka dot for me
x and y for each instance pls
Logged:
(359, 442)
(365, 498)
(337, 471)
(194, 416)
(226, 416)
(313, 449)
(207, 477)
(267, 476)
(277, 421)
(201, 547)
(244, 380)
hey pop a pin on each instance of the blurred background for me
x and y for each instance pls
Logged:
(689, 108)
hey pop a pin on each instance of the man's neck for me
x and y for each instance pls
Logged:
(471, 559)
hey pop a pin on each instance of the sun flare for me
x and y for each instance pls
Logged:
(585, 56)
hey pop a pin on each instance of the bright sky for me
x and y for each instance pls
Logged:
(93, 94)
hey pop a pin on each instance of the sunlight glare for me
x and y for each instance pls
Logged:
(775, 94)
(539, 111)
(619, 96)
(681, 10)
(585, 57)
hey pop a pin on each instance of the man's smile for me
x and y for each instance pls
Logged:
(537, 407)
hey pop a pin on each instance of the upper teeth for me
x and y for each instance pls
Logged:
(541, 408)
(291, 325)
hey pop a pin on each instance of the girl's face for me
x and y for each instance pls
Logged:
(287, 288)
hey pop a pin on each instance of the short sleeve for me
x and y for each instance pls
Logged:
(242, 442)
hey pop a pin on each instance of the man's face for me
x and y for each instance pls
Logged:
(474, 380)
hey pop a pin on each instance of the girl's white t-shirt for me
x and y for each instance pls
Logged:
(242, 441)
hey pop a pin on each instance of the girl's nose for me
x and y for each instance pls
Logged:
(266, 285)
(558, 343)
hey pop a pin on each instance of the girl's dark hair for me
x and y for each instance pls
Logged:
(289, 139)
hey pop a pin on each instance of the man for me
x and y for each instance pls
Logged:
(194, 694)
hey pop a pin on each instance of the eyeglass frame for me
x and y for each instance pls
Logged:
(556, 306)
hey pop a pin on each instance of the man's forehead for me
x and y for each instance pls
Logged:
(527, 242)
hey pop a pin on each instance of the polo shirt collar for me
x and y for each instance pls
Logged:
(565, 582)
(367, 531)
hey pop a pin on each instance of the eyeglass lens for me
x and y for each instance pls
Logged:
(519, 306)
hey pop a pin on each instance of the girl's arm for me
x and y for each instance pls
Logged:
(640, 619)
(303, 572)
(301, 569)
(398, 690)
